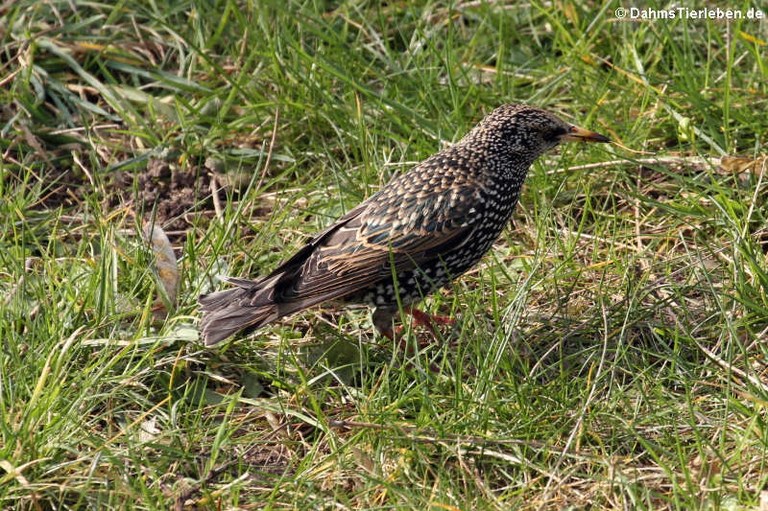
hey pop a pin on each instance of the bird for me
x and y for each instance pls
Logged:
(412, 237)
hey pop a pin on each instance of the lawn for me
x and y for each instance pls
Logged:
(609, 353)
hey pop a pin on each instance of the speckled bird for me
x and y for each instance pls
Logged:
(424, 228)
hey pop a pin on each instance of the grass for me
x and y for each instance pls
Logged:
(609, 354)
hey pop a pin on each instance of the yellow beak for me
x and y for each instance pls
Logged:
(576, 134)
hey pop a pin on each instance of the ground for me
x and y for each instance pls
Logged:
(608, 354)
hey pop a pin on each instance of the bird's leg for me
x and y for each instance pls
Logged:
(421, 318)
(383, 321)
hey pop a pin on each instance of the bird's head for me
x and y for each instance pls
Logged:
(525, 132)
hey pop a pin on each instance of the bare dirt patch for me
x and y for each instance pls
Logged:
(169, 193)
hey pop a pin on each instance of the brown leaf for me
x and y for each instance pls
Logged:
(743, 164)
(166, 267)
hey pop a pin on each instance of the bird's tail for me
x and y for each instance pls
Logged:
(243, 308)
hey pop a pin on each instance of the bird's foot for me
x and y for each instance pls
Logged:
(383, 321)
(428, 321)
(421, 318)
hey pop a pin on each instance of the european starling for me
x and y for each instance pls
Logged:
(415, 235)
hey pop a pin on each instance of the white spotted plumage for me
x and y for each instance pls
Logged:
(427, 227)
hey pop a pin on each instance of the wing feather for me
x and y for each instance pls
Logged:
(386, 233)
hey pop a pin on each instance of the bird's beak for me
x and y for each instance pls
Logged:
(576, 134)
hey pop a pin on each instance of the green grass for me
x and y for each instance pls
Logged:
(610, 353)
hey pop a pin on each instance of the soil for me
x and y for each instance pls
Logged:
(169, 194)
(164, 190)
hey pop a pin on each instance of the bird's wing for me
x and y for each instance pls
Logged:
(388, 233)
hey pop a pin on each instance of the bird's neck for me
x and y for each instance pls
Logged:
(498, 161)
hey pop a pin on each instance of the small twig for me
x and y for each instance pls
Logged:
(269, 151)
(731, 368)
(215, 196)
(660, 160)
(605, 241)
(420, 436)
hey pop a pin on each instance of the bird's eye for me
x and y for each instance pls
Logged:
(555, 134)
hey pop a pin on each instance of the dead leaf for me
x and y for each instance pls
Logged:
(166, 267)
(743, 164)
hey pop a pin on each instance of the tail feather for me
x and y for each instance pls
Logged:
(243, 308)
